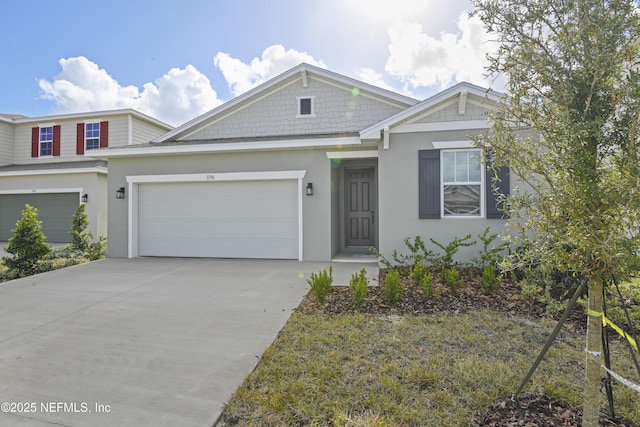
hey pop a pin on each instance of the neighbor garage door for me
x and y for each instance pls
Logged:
(232, 219)
(55, 210)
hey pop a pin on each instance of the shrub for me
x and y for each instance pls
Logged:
(392, 287)
(27, 245)
(359, 286)
(403, 263)
(321, 284)
(490, 254)
(418, 273)
(426, 284)
(490, 279)
(445, 260)
(80, 239)
(451, 278)
(96, 250)
(82, 243)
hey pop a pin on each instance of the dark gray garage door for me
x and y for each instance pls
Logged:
(55, 210)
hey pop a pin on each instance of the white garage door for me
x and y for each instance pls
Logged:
(233, 219)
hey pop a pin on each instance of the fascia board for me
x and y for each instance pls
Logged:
(226, 147)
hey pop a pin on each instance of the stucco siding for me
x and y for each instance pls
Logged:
(399, 198)
(7, 134)
(87, 183)
(316, 209)
(336, 109)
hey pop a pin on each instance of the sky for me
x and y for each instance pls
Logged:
(175, 60)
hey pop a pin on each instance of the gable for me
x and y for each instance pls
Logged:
(336, 109)
(474, 109)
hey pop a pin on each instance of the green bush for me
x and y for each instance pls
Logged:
(418, 272)
(445, 260)
(490, 279)
(27, 245)
(359, 286)
(321, 284)
(80, 239)
(451, 278)
(426, 284)
(392, 287)
(491, 253)
(82, 243)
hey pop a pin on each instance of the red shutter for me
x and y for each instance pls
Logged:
(35, 140)
(80, 138)
(56, 140)
(104, 134)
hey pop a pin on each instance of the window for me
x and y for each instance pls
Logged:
(455, 183)
(92, 136)
(462, 183)
(46, 141)
(306, 107)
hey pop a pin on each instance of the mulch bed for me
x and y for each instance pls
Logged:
(537, 410)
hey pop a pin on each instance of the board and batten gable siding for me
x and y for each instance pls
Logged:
(7, 135)
(143, 132)
(336, 109)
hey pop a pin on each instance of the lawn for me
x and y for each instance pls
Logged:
(440, 369)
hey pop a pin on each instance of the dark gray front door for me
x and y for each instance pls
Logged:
(360, 206)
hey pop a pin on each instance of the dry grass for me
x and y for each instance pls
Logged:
(427, 370)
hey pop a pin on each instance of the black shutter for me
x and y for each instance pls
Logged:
(498, 185)
(429, 184)
(305, 106)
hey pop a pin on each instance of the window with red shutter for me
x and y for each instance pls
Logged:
(80, 138)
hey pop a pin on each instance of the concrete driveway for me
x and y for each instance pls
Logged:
(140, 342)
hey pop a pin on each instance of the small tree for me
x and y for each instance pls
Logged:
(28, 244)
(573, 78)
(82, 242)
(80, 238)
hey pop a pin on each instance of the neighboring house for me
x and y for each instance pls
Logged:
(48, 162)
(311, 165)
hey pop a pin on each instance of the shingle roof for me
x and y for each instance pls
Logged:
(54, 166)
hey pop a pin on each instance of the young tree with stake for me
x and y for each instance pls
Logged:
(572, 79)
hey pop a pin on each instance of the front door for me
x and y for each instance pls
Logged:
(360, 207)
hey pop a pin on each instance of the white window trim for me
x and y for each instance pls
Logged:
(92, 122)
(134, 180)
(40, 155)
(442, 184)
(313, 106)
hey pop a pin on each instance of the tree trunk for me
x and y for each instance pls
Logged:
(592, 396)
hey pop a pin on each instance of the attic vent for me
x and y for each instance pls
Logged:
(305, 106)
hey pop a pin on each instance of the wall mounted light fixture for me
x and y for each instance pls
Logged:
(309, 189)
(85, 198)
(120, 193)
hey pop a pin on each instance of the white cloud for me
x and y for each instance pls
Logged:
(374, 78)
(418, 59)
(275, 60)
(177, 96)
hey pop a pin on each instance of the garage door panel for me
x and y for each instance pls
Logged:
(55, 210)
(246, 219)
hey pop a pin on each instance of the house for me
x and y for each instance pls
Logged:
(48, 162)
(311, 165)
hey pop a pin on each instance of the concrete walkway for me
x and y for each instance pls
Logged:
(141, 342)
